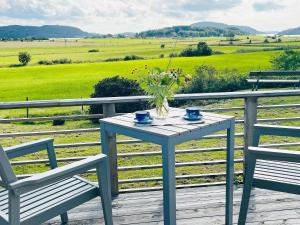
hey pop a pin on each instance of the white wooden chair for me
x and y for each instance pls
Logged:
(38, 198)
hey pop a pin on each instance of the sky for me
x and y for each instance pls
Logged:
(118, 16)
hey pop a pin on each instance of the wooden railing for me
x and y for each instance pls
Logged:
(250, 118)
(267, 77)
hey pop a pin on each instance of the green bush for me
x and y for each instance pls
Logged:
(58, 122)
(24, 58)
(55, 61)
(208, 79)
(288, 60)
(94, 50)
(115, 87)
(62, 61)
(202, 50)
(132, 57)
(45, 62)
(112, 59)
(173, 55)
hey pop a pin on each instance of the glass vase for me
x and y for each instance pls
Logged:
(162, 111)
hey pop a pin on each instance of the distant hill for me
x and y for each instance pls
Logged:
(246, 29)
(293, 31)
(47, 31)
(192, 31)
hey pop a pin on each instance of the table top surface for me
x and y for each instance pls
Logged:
(174, 125)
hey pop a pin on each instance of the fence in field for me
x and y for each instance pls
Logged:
(250, 109)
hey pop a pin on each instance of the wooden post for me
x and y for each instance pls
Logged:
(250, 118)
(109, 110)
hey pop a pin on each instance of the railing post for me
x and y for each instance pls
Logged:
(250, 118)
(27, 109)
(109, 110)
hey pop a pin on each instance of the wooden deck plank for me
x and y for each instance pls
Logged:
(194, 206)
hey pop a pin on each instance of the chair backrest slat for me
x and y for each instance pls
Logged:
(6, 172)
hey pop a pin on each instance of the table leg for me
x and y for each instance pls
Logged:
(169, 183)
(230, 173)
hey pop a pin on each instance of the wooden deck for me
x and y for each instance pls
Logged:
(194, 206)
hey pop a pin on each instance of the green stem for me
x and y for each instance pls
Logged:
(170, 60)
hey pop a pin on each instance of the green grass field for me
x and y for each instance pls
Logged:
(77, 80)
(77, 50)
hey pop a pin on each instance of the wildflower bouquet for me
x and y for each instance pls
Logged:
(161, 86)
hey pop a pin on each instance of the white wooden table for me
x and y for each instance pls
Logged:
(168, 136)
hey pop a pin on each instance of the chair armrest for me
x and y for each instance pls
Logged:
(28, 148)
(57, 174)
(276, 130)
(274, 154)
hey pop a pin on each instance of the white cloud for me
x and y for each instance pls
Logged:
(112, 16)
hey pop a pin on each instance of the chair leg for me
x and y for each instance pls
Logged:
(64, 218)
(247, 190)
(105, 191)
(14, 209)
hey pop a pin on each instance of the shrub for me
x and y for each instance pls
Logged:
(62, 61)
(208, 79)
(161, 56)
(94, 50)
(45, 62)
(132, 57)
(112, 59)
(55, 61)
(58, 122)
(188, 52)
(15, 65)
(24, 58)
(173, 55)
(202, 50)
(114, 87)
(288, 60)
(162, 46)
(266, 40)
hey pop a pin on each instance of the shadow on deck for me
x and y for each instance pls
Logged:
(194, 206)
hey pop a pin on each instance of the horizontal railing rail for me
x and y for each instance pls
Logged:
(129, 99)
(274, 73)
(250, 108)
(154, 153)
(99, 116)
